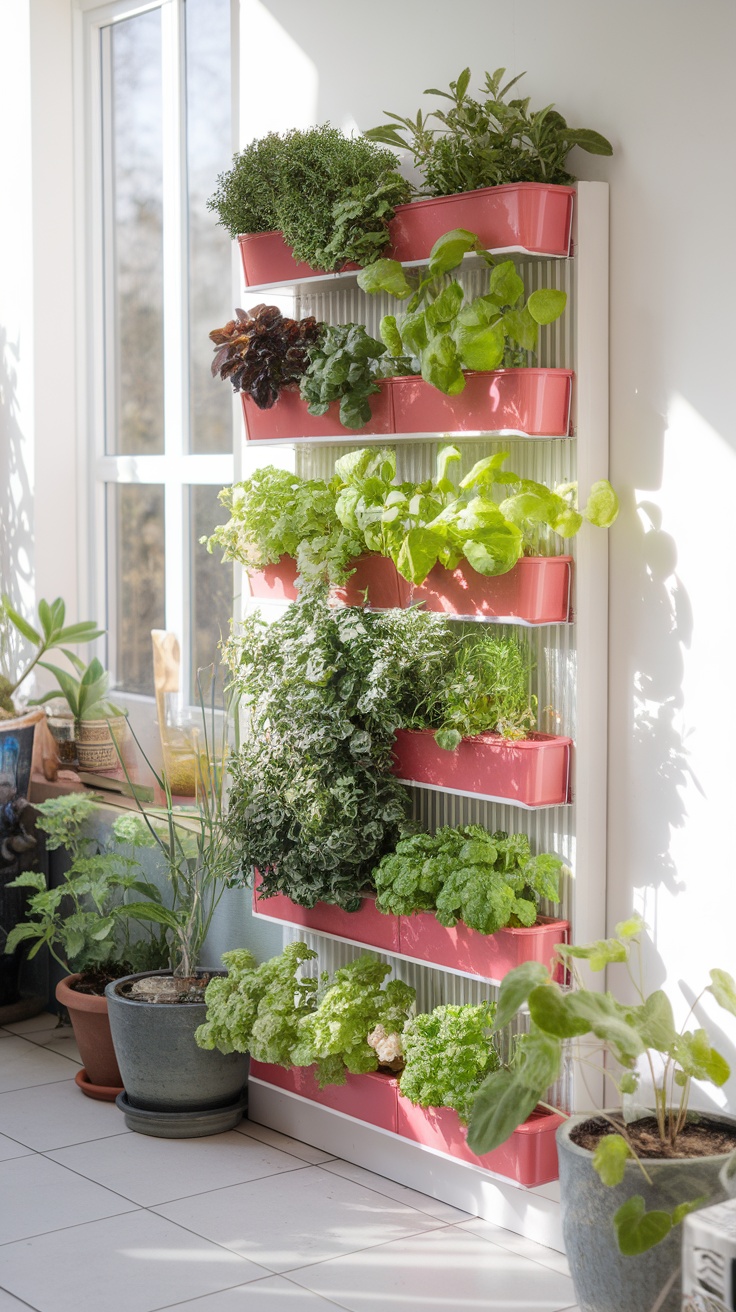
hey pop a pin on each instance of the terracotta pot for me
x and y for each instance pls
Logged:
(536, 590)
(96, 748)
(531, 772)
(371, 1098)
(91, 1025)
(268, 259)
(277, 582)
(532, 216)
(367, 925)
(529, 1155)
(374, 583)
(532, 402)
(490, 956)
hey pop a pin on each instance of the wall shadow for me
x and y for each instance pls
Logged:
(16, 493)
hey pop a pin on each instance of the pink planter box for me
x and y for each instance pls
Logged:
(531, 215)
(375, 575)
(422, 937)
(537, 590)
(275, 581)
(289, 420)
(534, 402)
(529, 1155)
(367, 925)
(533, 772)
(266, 258)
(371, 1098)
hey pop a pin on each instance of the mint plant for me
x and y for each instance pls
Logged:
(487, 881)
(633, 1037)
(443, 333)
(488, 141)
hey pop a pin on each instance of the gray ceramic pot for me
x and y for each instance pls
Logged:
(605, 1280)
(163, 1070)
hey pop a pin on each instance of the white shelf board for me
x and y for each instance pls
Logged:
(534, 1212)
(387, 439)
(483, 797)
(349, 278)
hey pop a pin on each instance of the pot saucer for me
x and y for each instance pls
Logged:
(102, 1092)
(183, 1125)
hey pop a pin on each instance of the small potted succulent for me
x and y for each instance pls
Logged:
(100, 727)
(86, 926)
(631, 1173)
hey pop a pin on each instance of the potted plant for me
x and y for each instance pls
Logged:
(489, 164)
(86, 926)
(99, 725)
(170, 1088)
(629, 1174)
(308, 201)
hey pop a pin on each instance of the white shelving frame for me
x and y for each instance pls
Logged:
(572, 663)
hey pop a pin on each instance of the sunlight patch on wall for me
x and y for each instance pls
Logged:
(278, 81)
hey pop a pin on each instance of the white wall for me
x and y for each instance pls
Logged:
(657, 79)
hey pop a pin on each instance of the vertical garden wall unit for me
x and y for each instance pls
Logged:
(570, 683)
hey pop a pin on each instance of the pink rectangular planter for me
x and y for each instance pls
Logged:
(266, 258)
(289, 419)
(492, 956)
(275, 581)
(529, 1155)
(371, 1098)
(533, 772)
(536, 590)
(366, 925)
(532, 215)
(375, 583)
(534, 402)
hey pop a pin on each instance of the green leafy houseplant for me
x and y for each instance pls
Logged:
(261, 352)
(633, 1035)
(442, 333)
(86, 695)
(258, 1009)
(484, 688)
(343, 366)
(488, 141)
(487, 881)
(313, 804)
(448, 1054)
(85, 921)
(52, 633)
(340, 1034)
(330, 195)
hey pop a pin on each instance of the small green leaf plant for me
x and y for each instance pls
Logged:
(487, 881)
(87, 693)
(448, 1053)
(484, 688)
(344, 365)
(442, 333)
(332, 196)
(86, 921)
(258, 1009)
(632, 1036)
(488, 141)
(350, 1008)
(51, 634)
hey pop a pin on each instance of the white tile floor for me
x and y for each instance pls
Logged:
(251, 1221)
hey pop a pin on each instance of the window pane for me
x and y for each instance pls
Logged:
(212, 588)
(134, 235)
(209, 153)
(136, 588)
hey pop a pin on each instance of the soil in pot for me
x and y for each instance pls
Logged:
(167, 989)
(696, 1139)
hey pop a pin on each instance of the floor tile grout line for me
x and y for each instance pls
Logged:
(45, 1084)
(365, 1248)
(42, 1047)
(93, 1220)
(467, 1217)
(507, 1249)
(24, 1301)
(270, 1275)
(331, 1302)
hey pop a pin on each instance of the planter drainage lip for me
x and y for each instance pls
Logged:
(100, 1092)
(183, 1125)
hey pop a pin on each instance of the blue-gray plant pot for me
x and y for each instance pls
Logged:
(163, 1070)
(605, 1280)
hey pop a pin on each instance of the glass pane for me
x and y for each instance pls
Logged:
(136, 588)
(134, 233)
(212, 588)
(209, 153)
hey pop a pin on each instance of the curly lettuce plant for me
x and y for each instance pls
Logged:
(353, 1004)
(633, 1037)
(448, 1053)
(487, 881)
(442, 333)
(488, 141)
(259, 1009)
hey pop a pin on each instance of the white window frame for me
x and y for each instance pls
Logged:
(176, 470)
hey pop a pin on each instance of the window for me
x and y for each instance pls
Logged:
(160, 279)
